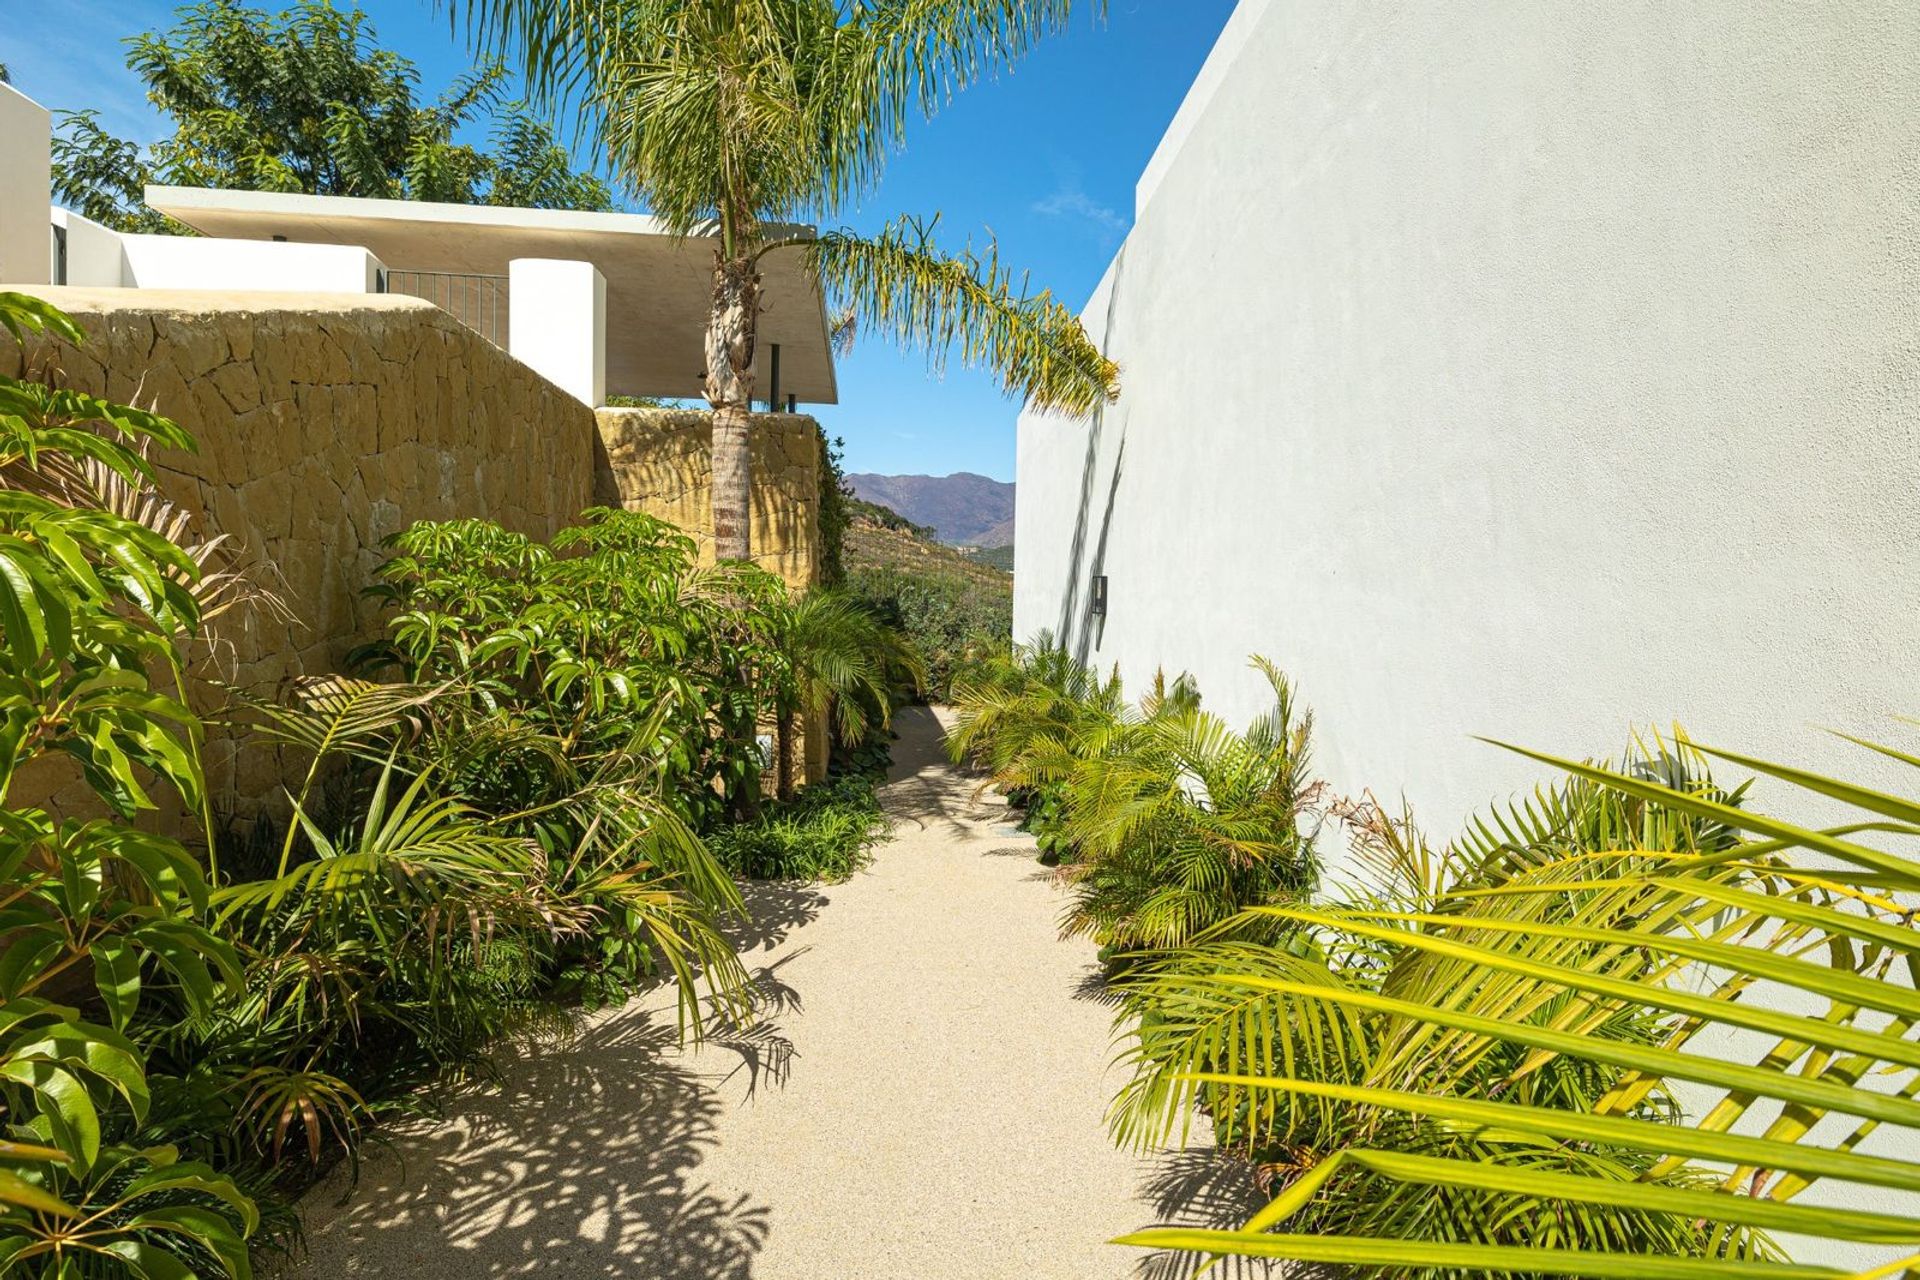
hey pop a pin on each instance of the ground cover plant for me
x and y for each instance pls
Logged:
(823, 833)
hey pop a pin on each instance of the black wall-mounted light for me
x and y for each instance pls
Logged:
(1097, 605)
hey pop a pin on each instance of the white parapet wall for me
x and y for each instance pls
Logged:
(95, 258)
(199, 262)
(1539, 371)
(557, 324)
(26, 240)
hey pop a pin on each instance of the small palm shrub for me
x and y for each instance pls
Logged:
(1490, 1062)
(840, 665)
(1179, 822)
(1164, 821)
(1027, 714)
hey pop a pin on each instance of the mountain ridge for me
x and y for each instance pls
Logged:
(965, 508)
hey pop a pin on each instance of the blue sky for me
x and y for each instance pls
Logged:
(1044, 158)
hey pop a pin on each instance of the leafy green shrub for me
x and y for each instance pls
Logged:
(95, 607)
(575, 647)
(823, 833)
(950, 619)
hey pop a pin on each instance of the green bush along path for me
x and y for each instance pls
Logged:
(924, 1098)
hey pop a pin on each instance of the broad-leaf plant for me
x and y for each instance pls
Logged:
(98, 912)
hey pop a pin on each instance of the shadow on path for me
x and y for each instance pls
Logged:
(582, 1159)
(924, 789)
(1198, 1187)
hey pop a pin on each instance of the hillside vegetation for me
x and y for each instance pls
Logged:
(946, 601)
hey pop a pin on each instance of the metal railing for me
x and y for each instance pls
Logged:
(478, 302)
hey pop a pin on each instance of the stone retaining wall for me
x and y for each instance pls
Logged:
(326, 423)
(660, 461)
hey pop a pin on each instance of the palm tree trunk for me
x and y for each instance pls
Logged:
(783, 750)
(732, 328)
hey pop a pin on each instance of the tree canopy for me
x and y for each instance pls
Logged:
(305, 100)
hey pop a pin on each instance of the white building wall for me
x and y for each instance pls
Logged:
(199, 262)
(557, 324)
(26, 137)
(95, 258)
(1530, 370)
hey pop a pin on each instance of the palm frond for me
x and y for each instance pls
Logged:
(1629, 928)
(902, 283)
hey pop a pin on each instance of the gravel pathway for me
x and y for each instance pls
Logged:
(925, 1100)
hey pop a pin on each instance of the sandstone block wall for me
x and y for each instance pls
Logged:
(326, 423)
(660, 461)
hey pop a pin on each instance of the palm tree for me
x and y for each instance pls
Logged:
(738, 119)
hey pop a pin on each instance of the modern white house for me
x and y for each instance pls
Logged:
(600, 303)
(1535, 371)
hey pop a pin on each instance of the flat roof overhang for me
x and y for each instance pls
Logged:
(658, 287)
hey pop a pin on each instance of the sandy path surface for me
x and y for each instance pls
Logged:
(924, 1101)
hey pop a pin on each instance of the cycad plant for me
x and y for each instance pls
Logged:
(1617, 1033)
(738, 119)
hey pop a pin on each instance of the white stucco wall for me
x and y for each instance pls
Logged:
(26, 134)
(557, 324)
(200, 262)
(1530, 370)
(95, 258)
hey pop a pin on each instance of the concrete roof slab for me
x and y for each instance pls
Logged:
(658, 285)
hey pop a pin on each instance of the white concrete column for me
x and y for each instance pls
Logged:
(26, 189)
(557, 323)
(95, 255)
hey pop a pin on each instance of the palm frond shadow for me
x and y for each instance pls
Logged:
(583, 1158)
(1199, 1187)
(774, 909)
(924, 789)
(1095, 988)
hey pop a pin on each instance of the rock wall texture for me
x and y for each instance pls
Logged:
(660, 461)
(326, 423)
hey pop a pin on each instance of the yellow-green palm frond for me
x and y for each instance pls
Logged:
(1632, 930)
(901, 283)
